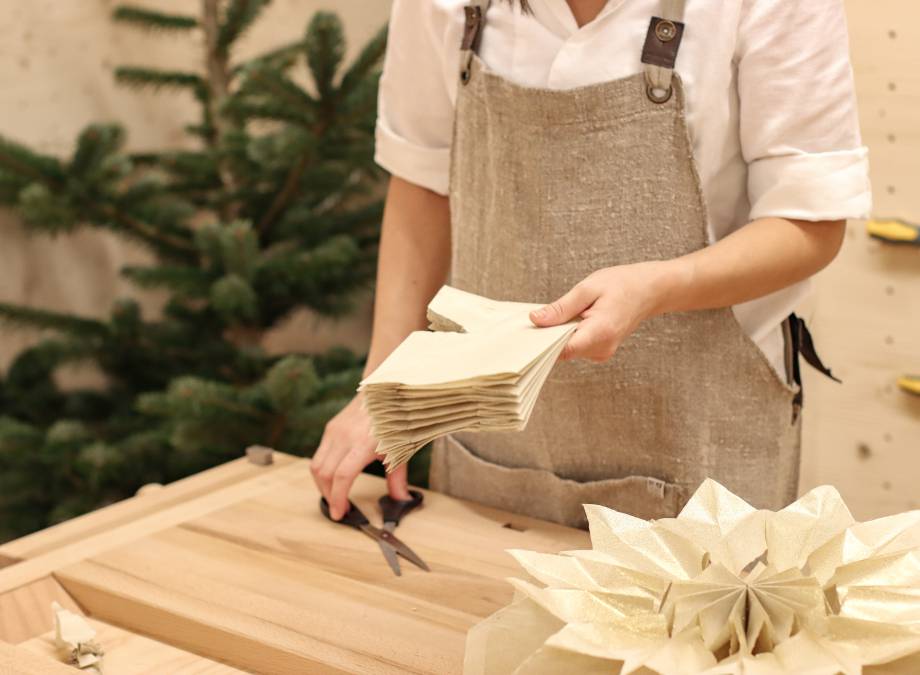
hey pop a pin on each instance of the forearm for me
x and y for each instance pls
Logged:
(764, 256)
(414, 260)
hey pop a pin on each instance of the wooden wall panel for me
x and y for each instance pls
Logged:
(864, 436)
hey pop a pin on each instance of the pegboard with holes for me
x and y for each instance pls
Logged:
(864, 436)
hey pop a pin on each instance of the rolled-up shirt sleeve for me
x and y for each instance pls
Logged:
(798, 123)
(414, 109)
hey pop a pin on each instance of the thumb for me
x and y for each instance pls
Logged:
(566, 308)
(398, 483)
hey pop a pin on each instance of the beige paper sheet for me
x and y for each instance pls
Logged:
(486, 373)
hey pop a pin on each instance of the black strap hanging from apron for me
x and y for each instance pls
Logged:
(803, 343)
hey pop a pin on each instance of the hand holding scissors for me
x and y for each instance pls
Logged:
(393, 511)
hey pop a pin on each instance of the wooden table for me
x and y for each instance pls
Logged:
(234, 569)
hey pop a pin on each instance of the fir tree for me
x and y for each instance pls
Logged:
(277, 209)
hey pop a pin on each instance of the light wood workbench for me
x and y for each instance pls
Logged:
(234, 569)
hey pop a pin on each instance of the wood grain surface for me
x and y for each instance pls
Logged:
(237, 567)
(131, 654)
(26, 611)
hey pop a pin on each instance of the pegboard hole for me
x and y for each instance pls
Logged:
(893, 34)
(892, 138)
(892, 86)
(889, 290)
(891, 189)
(889, 340)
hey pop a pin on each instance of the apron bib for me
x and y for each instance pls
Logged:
(548, 186)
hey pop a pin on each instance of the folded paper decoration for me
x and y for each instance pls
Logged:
(722, 588)
(482, 370)
(74, 638)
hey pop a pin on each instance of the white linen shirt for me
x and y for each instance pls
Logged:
(769, 95)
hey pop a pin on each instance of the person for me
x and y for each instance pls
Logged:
(670, 173)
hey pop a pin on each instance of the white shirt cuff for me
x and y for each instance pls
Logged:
(811, 186)
(427, 167)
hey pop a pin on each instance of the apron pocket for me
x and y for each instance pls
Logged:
(457, 471)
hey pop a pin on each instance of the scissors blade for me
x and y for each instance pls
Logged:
(386, 548)
(403, 550)
(390, 554)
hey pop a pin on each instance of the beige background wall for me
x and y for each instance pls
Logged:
(864, 436)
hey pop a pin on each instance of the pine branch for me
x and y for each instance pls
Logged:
(291, 383)
(192, 168)
(264, 110)
(54, 203)
(194, 397)
(239, 16)
(308, 278)
(325, 49)
(218, 87)
(37, 362)
(312, 225)
(168, 213)
(281, 58)
(21, 161)
(150, 78)
(152, 20)
(95, 143)
(274, 88)
(285, 195)
(149, 234)
(291, 184)
(180, 279)
(17, 316)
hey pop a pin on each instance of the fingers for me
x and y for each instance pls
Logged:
(398, 483)
(342, 479)
(566, 308)
(592, 340)
(346, 448)
(324, 461)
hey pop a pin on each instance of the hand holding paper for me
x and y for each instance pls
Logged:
(485, 378)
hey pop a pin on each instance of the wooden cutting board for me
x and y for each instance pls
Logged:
(234, 569)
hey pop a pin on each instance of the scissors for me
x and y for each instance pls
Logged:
(393, 511)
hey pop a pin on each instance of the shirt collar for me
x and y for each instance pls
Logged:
(556, 15)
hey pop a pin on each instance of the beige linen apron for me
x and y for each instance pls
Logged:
(548, 186)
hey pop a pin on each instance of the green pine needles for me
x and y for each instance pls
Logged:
(277, 209)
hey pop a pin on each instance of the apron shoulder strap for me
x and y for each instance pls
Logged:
(660, 50)
(474, 20)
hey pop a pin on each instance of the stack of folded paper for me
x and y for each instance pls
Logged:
(487, 377)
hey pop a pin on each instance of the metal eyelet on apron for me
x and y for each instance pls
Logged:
(665, 30)
(659, 95)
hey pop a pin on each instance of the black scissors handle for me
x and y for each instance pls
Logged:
(352, 517)
(394, 509)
